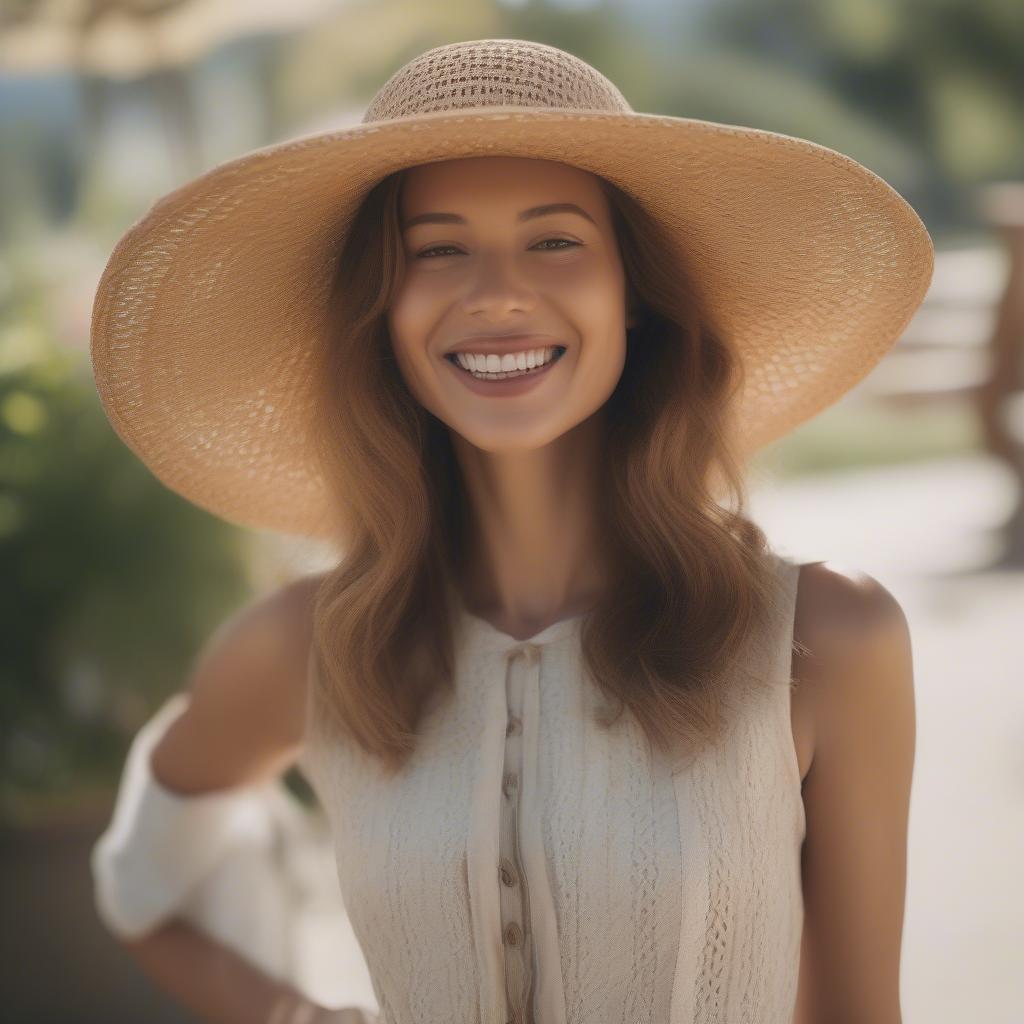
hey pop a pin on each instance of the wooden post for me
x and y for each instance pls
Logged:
(1000, 397)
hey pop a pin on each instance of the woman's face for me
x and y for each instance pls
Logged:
(490, 264)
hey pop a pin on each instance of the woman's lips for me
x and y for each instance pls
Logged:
(506, 386)
(504, 344)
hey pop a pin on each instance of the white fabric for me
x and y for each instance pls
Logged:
(159, 843)
(249, 866)
(659, 892)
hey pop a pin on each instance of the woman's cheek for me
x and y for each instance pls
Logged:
(408, 318)
(584, 280)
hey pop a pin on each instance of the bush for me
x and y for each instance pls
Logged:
(110, 584)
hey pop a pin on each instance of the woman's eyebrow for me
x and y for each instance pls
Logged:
(533, 211)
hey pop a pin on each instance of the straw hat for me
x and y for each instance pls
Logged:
(210, 306)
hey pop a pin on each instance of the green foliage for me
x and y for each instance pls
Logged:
(946, 75)
(853, 435)
(111, 581)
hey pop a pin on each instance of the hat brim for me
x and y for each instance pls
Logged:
(206, 315)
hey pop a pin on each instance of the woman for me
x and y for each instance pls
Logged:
(589, 748)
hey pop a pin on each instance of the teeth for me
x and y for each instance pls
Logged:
(511, 362)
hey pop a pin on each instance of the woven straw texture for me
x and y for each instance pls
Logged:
(212, 303)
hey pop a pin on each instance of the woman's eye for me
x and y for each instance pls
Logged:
(568, 241)
(436, 248)
(451, 248)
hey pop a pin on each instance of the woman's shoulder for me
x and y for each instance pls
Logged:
(857, 678)
(287, 612)
(838, 606)
(245, 716)
(851, 649)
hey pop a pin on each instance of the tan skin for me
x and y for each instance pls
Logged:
(531, 469)
(531, 463)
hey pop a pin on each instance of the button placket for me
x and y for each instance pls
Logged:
(507, 873)
(513, 887)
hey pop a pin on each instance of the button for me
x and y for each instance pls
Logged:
(529, 651)
(507, 873)
(513, 934)
(509, 783)
(514, 726)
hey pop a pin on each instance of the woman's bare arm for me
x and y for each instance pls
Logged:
(246, 715)
(206, 976)
(244, 723)
(856, 796)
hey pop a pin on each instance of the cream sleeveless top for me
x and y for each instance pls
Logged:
(529, 866)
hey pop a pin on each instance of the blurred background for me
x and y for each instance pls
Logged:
(109, 583)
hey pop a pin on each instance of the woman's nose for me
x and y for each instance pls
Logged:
(499, 285)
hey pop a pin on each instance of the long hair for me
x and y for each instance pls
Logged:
(693, 585)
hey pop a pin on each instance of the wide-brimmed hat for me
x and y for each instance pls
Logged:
(212, 304)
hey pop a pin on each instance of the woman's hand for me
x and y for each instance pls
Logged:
(345, 1015)
(295, 1009)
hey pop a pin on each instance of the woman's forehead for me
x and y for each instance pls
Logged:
(496, 183)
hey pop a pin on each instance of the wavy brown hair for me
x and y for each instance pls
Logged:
(693, 582)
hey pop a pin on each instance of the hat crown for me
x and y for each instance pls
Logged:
(494, 73)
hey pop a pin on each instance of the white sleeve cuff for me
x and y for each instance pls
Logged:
(159, 843)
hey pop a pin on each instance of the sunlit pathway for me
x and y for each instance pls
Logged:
(919, 530)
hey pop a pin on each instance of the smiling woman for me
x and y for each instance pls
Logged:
(499, 276)
(546, 695)
(532, 492)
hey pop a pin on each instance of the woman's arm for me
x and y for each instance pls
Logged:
(243, 724)
(856, 796)
(210, 979)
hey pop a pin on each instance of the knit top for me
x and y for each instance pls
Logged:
(527, 865)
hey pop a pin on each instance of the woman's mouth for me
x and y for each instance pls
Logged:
(557, 351)
(508, 383)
